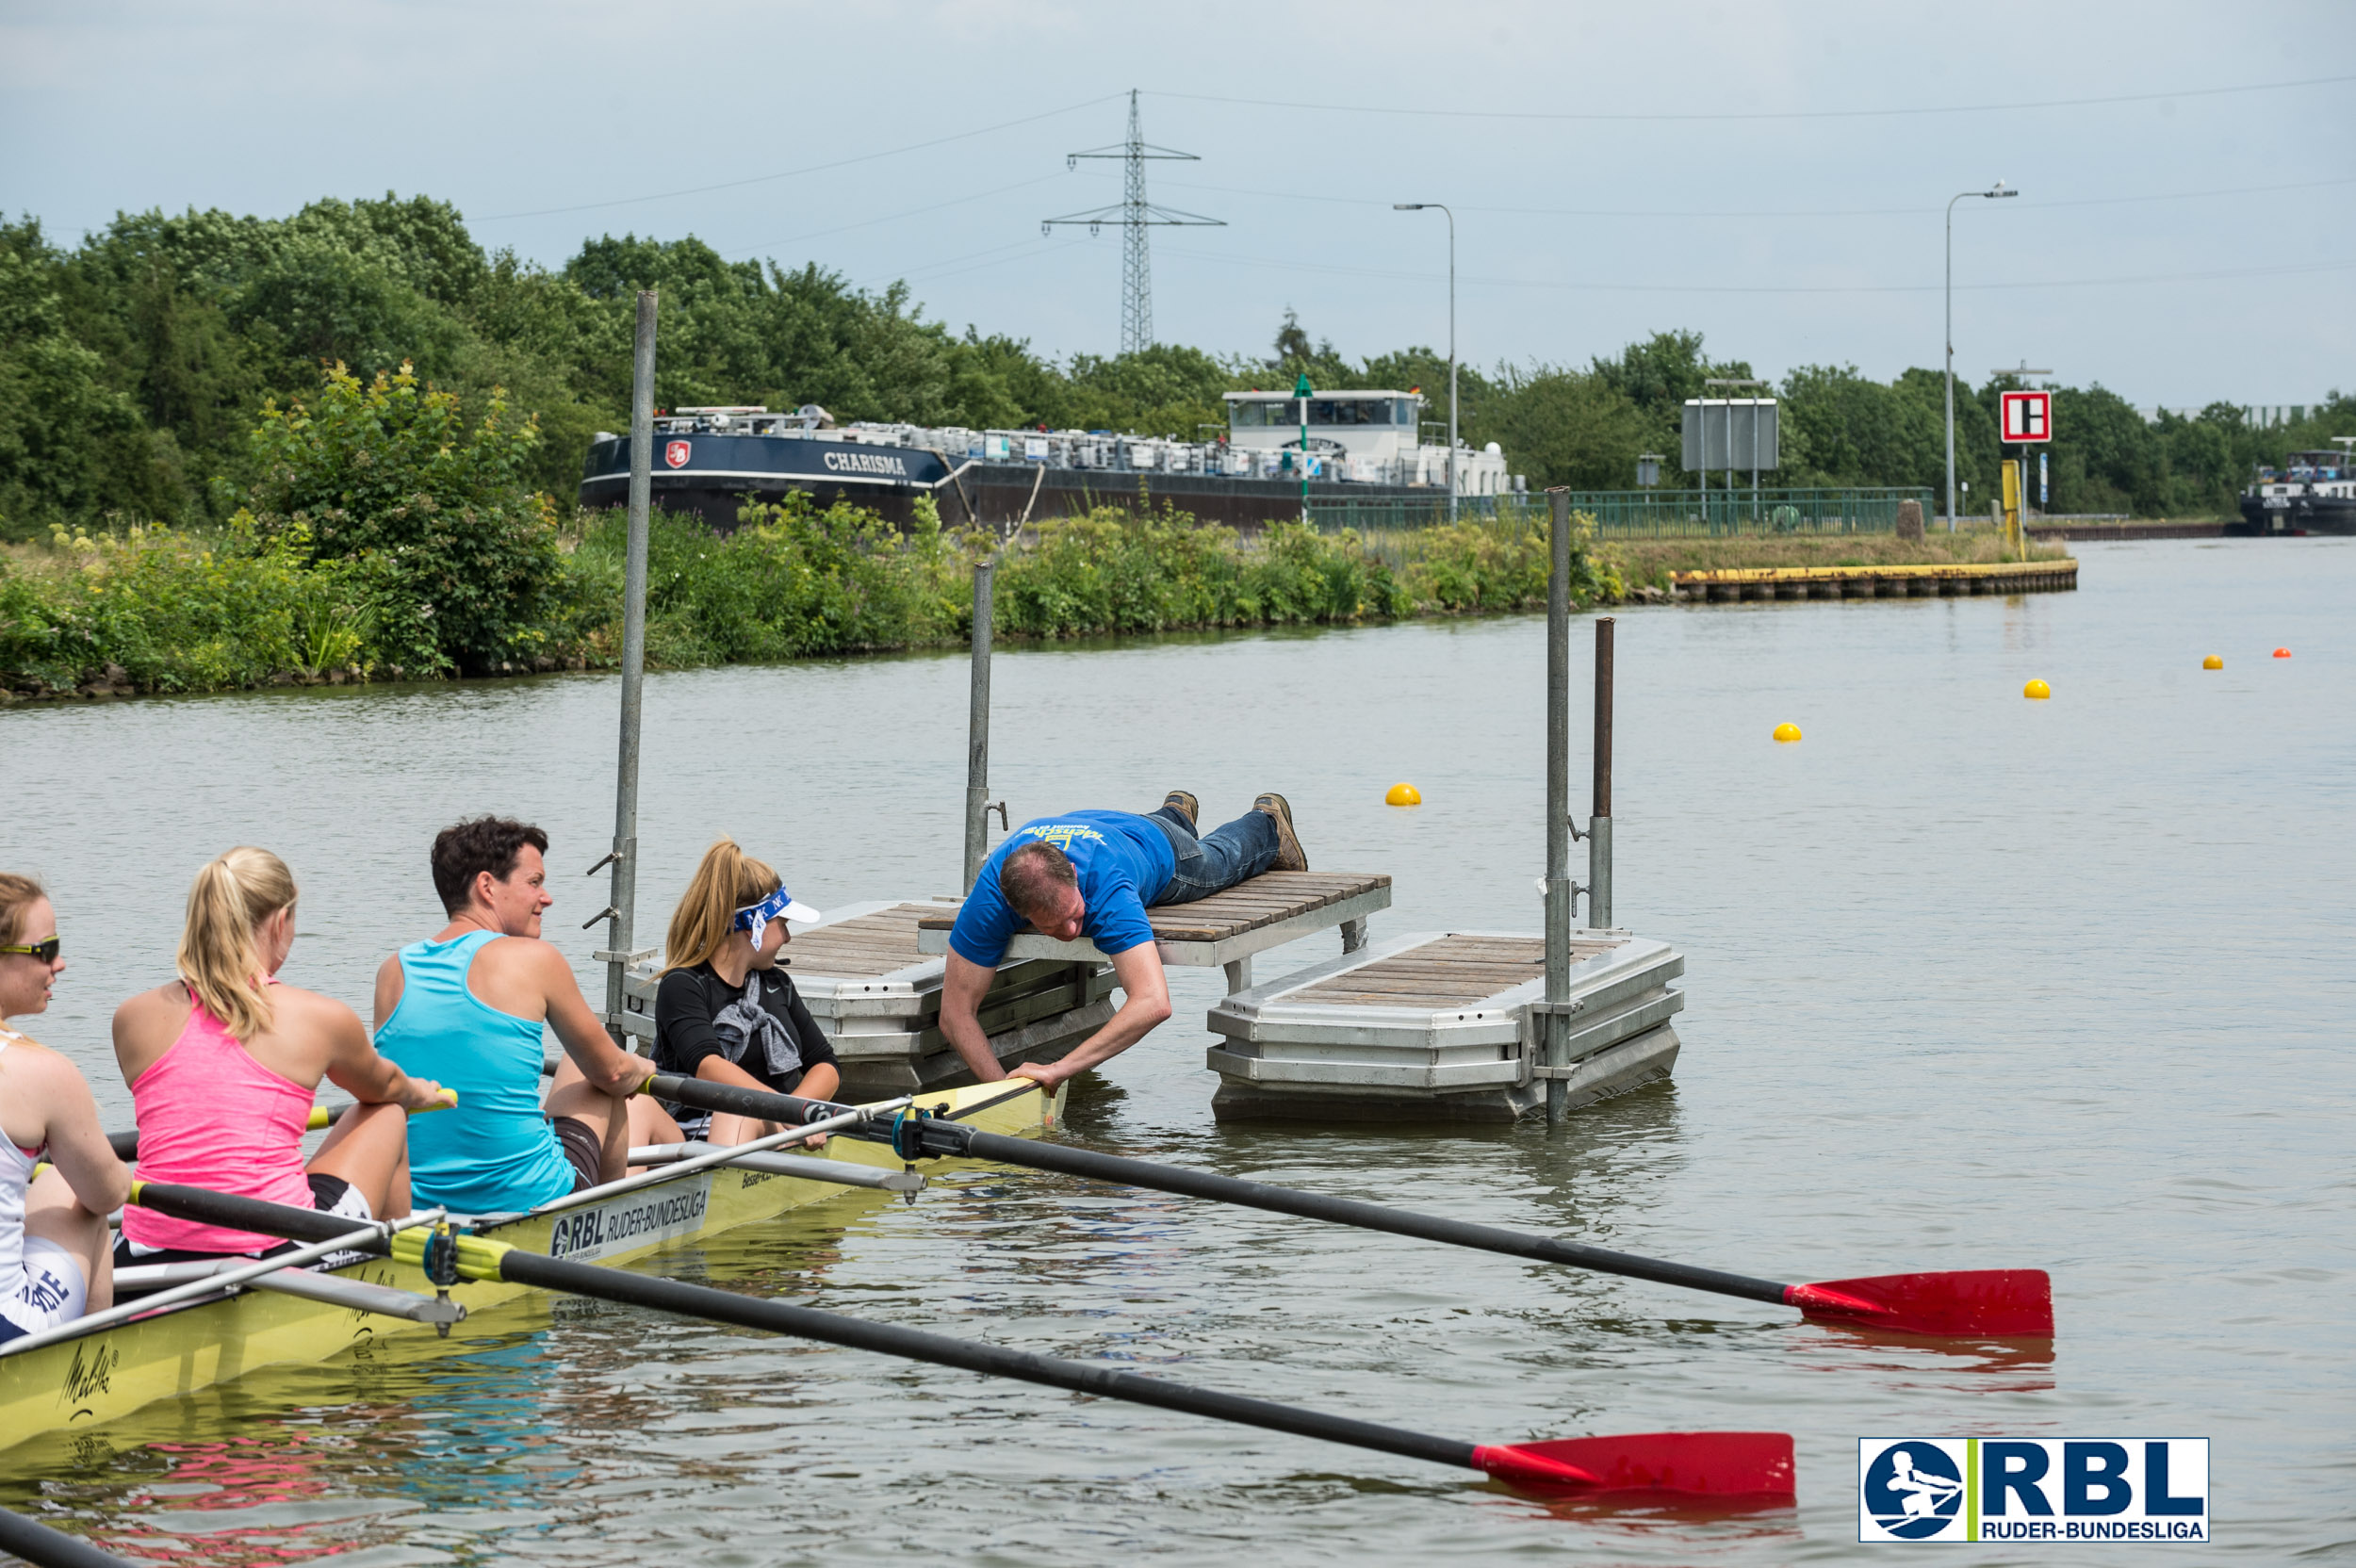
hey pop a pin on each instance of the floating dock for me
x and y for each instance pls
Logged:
(1728, 585)
(878, 998)
(1442, 1026)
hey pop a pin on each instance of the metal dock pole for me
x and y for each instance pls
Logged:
(977, 735)
(1599, 825)
(1553, 1021)
(622, 905)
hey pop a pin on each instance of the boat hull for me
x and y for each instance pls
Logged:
(110, 1373)
(2332, 515)
(713, 477)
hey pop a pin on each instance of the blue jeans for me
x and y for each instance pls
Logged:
(1218, 860)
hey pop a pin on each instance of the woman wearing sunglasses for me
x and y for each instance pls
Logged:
(225, 1063)
(723, 1009)
(53, 1259)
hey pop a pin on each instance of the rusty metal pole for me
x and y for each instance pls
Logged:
(1599, 825)
(1553, 1023)
(977, 734)
(621, 912)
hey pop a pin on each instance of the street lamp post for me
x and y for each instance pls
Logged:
(1419, 206)
(1998, 189)
(1301, 394)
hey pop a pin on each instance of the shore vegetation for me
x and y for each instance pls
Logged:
(387, 534)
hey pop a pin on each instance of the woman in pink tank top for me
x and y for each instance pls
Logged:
(224, 1064)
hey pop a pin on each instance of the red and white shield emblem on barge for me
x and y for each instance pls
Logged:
(676, 454)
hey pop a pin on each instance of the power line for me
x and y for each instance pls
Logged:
(796, 174)
(1759, 115)
(1820, 212)
(950, 266)
(1270, 262)
(890, 216)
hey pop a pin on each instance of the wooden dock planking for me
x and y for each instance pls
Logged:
(1270, 897)
(863, 947)
(1453, 972)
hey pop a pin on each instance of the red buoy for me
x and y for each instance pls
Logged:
(2282, 653)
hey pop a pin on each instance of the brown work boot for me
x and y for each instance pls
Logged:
(1289, 855)
(1188, 805)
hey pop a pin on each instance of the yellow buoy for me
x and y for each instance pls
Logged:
(1787, 732)
(2213, 663)
(2036, 689)
(1403, 794)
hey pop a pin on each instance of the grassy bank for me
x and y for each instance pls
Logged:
(163, 609)
(1647, 562)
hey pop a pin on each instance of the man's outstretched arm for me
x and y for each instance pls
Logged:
(962, 988)
(1138, 971)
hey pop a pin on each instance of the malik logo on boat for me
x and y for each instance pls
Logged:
(2142, 1488)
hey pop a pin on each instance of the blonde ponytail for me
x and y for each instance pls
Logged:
(726, 880)
(223, 968)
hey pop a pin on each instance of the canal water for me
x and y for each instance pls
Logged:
(1974, 982)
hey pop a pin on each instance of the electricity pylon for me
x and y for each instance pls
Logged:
(1134, 215)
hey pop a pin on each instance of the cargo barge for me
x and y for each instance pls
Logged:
(2312, 493)
(1355, 446)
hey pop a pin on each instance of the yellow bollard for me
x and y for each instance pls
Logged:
(1403, 794)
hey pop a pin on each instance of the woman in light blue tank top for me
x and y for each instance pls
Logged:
(495, 1152)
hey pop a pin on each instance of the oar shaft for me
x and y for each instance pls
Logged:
(37, 1544)
(1091, 1165)
(750, 1312)
(941, 1137)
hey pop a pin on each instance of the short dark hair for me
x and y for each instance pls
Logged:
(465, 849)
(1029, 876)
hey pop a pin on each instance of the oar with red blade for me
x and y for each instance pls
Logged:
(1984, 1303)
(1731, 1465)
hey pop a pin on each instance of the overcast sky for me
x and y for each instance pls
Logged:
(1772, 174)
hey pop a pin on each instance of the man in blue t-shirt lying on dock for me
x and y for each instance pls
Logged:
(1093, 875)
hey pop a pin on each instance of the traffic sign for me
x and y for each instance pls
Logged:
(2028, 416)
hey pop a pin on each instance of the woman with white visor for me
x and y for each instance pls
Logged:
(724, 1009)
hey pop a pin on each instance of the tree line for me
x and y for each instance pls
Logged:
(137, 366)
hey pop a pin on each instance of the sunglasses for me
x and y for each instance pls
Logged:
(45, 952)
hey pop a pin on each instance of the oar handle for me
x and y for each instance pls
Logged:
(951, 1138)
(735, 1100)
(207, 1207)
(126, 1145)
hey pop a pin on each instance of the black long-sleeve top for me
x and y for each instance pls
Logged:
(688, 1000)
